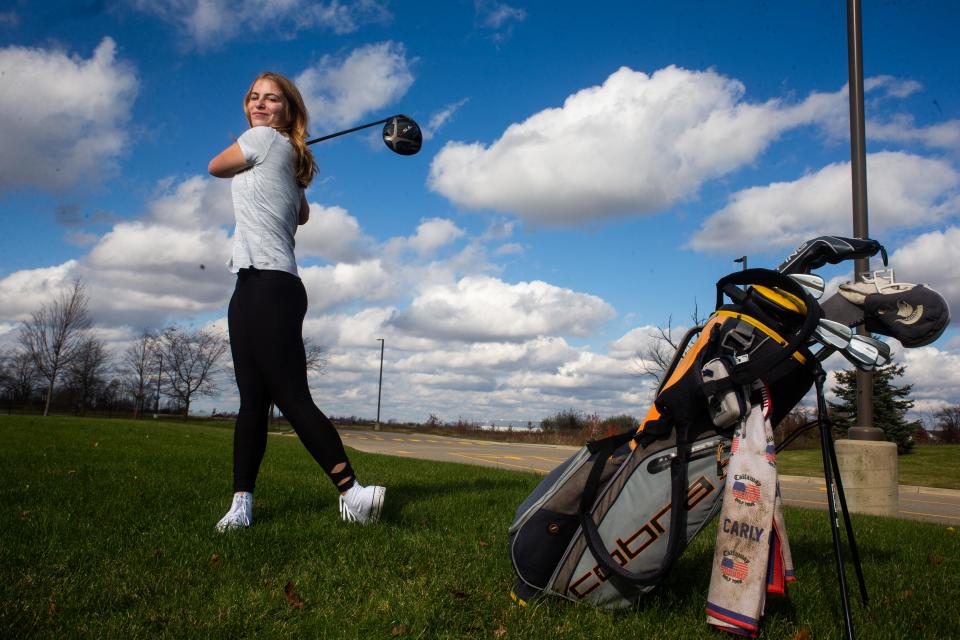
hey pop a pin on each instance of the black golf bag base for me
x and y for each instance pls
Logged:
(523, 594)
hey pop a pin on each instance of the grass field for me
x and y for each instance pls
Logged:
(108, 533)
(926, 466)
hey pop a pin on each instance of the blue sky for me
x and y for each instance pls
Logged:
(589, 172)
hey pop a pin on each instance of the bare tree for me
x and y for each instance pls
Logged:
(85, 372)
(948, 424)
(136, 365)
(20, 376)
(190, 361)
(54, 335)
(316, 356)
(655, 360)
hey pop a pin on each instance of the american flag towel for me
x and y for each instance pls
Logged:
(752, 555)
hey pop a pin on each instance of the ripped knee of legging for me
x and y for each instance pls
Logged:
(342, 476)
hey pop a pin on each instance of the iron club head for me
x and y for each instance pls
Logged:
(834, 335)
(812, 283)
(861, 354)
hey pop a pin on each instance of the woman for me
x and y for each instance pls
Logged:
(271, 166)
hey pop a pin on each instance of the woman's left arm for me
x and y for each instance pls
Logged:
(228, 162)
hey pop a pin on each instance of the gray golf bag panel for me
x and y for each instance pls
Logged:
(633, 516)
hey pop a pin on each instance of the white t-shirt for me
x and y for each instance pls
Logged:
(266, 203)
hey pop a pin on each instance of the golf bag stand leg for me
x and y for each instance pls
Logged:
(829, 464)
(854, 552)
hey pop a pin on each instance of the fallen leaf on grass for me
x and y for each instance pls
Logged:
(906, 593)
(214, 560)
(459, 594)
(936, 560)
(802, 634)
(24, 515)
(483, 545)
(53, 606)
(500, 631)
(295, 601)
(398, 630)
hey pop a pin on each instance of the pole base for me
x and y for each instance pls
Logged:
(869, 473)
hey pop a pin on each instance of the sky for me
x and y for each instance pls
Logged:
(588, 173)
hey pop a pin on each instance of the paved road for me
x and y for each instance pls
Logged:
(916, 503)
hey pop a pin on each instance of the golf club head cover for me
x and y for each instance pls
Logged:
(914, 314)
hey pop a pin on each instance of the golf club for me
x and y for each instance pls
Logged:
(882, 347)
(834, 335)
(812, 283)
(400, 133)
(861, 354)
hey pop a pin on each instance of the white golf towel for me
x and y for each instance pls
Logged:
(752, 555)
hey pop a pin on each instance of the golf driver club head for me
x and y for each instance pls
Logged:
(812, 283)
(834, 335)
(402, 135)
(861, 354)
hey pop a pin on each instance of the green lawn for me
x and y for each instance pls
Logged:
(926, 466)
(108, 533)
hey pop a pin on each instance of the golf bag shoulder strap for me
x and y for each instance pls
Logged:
(753, 370)
(678, 472)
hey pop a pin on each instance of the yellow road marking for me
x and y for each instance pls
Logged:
(506, 464)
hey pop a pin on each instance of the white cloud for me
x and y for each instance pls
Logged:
(498, 17)
(330, 286)
(339, 92)
(440, 118)
(23, 292)
(332, 234)
(934, 373)
(433, 234)
(902, 129)
(195, 203)
(479, 308)
(210, 23)
(932, 259)
(636, 144)
(904, 191)
(76, 123)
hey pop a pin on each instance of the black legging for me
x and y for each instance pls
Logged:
(266, 322)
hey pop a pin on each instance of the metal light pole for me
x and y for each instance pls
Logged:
(379, 386)
(865, 430)
(156, 409)
(743, 260)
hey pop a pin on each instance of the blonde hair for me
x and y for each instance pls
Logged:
(294, 124)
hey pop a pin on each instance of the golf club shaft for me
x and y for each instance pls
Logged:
(342, 133)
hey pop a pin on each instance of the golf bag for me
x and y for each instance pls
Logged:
(607, 525)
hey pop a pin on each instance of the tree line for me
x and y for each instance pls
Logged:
(61, 359)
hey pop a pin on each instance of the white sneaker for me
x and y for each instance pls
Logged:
(240, 515)
(362, 504)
